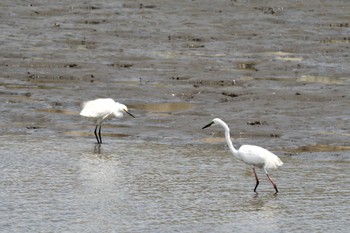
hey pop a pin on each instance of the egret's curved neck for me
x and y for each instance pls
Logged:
(228, 140)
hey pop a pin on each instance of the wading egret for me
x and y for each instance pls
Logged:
(101, 110)
(251, 155)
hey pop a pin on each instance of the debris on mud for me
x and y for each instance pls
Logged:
(256, 123)
(230, 94)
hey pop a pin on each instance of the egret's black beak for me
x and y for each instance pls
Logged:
(129, 113)
(208, 125)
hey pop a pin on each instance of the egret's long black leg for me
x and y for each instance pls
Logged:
(99, 134)
(257, 179)
(98, 141)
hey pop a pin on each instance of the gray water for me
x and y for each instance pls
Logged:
(58, 185)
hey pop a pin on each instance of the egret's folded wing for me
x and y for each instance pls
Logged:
(97, 108)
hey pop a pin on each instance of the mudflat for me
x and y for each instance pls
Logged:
(276, 71)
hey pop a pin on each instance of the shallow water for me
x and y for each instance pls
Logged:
(123, 186)
(275, 71)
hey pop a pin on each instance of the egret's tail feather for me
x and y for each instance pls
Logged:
(273, 164)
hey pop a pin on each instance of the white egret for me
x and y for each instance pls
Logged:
(251, 155)
(101, 110)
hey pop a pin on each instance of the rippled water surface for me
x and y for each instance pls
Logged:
(61, 185)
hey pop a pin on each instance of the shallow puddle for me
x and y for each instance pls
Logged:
(213, 140)
(164, 107)
(283, 56)
(317, 148)
(320, 79)
(60, 111)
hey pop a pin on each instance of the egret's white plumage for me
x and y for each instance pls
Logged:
(101, 110)
(250, 154)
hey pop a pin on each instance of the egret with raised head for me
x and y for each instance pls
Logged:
(251, 155)
(103, 109)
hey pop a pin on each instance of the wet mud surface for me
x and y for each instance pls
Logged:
(276, 71)
(178, 65)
